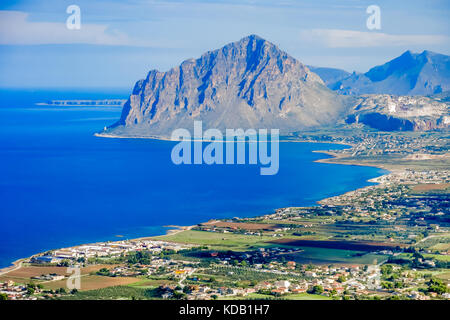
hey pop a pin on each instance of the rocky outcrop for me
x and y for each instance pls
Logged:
(400, 113)
(246, 84)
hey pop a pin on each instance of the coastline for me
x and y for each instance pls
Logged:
(174, 229)
(335, 160)
(165, 138)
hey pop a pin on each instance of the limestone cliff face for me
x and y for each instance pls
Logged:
(246, 84)
(401, 113)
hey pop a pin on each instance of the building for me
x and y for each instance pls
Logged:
(282, 284)
(44, 259)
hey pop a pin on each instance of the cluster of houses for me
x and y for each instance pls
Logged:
(14, 291)
(409, 176)
(103, 249)
(336, 280)
(373, 144)
(329, 278)
(176, 268)
(391, 194)
(253, 229)
(204, 292)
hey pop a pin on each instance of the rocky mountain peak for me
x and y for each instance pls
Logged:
(250, 83)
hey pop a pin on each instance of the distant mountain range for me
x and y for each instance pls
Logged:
(426, 73)
(330, 75)
(253, 84)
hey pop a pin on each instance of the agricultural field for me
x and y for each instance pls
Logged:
(309, 254)
(316, 255)
(439, 257)
(25, 273)
(114, 293)
(224, 274)
(150, 283)
(240, 225)
(92, 282)
(218, 241)
(343, 245)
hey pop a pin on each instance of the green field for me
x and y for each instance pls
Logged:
(114, 293)
(306, 296)
(327, 255)
(444, 275)
(150, 283)
(219, 241)
(238, 242)
(439, 257)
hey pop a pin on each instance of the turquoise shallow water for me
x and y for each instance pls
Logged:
(62, 186)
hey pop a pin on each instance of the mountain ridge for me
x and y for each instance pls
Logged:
(424, 73)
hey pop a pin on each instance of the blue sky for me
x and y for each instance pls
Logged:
(120, 41)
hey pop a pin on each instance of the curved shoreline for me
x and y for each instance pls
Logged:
(334, 159)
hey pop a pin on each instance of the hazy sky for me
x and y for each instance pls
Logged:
(120, 41)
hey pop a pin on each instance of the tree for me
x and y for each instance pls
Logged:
(317, 289)
(103, 272)
(142, 257)
(31, 285)
(436, 285)
(386, 269)
(3, 296)
(64, 263)
(143, 271)
(341, 279)
(187, 289)
(179, 295)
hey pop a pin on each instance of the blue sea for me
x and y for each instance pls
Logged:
(61, 186)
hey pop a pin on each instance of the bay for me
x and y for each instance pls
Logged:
(61, 186)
